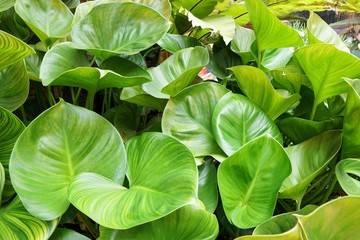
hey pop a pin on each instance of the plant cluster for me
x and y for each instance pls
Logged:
(108, 132)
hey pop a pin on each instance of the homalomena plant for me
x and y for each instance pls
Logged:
(108, 132)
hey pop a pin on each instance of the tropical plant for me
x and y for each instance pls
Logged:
(109, 132)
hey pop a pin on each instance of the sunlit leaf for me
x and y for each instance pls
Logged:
(249, 181)
(241, 44)
(58, 142)
(67, 234)
(153, 160)
(207, 185)
(294, 234)
(187, 117)
(276, 58)
(237, 120)
(174, 42)
(6, 4)
(199, 8)
(350, 184)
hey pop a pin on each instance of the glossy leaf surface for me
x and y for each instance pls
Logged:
(138, 96)
(162, 178)
(12, 50)
(207, 186)
(348, 182)
(187, 117)
(58, 143)
(249, 181)
(176, 72)
(237, 120)
(252, 80)
(293, 234)
(198, 8)
(174, 42)
(188, 222)
(113, 35)
(241, 43)
(307, 160)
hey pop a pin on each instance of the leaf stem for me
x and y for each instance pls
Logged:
(313, 111)
(90, 101)
(23, 113)
(89, 226)
(285, 205)
(329, 191)
(51, 98)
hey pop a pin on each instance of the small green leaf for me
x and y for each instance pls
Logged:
(153, 159)
(12, 50)
(249, 181)
(127, 120)
(237, 120)
(188, 222)
(17, 223)
(207, 186)
(350, 184)
(176, 72)
(290, 78)
(174, 42)
(308, 159)
(67, 234)
(241, 44)
(53, 18)
(252, 80)
(187, 117)
(59, 142)
(113, 36)
(198, 8)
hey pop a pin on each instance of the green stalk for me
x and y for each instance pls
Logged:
(329, 191)
(90, 101)
(23, 114)
(285, 205)
(51, 98)
(313, 111)
(89, 226)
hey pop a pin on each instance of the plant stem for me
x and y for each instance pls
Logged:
(318, 181)
(329, 191)
(313, 111)
(51, 98)
(90, 101)
(89, 226)
(285, 205)
(92, 61)
(23, 113)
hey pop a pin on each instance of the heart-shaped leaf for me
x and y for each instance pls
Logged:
(76, 71)
(6, 4)
(53, 18)
(14, 88)
(17, 223)
(307, 160)
(237, 120)
(12, 50)
(58, 147)
(174, 42)
(176, 72)
(293, 234)
(249, 181)
(10, 128)
(162, 178)
(325, 65)
(67, 234)
(188, 222)
(290, 78)
(241, 44)
(187, 117)
(252, 80)
(125, 29)
(350, 184)
(207, 186)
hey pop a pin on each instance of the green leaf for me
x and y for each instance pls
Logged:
(199, 8)
(14, 87)
(290, 78)
(237, 120)
(337, 219)
(351, 138)
(276, 58)
(319, 31)
(59, 142)
(326, 66)
(113, 35)
(2, 181)
(76, 71)
(6, 4)
(174, 42)
(299, 129)
(293, 234)
(127, 120)
(53, 18)
(187, 117)
(188, 222)
(308, 159)
(71, 3)
(153, 159)
(221, 61)
(252, 80)
(67, 234)
(241, 43)
(10, 129)
(207, 186)
(349, 183)
(33, 63)
(12, 50)
(269, 30)
(17, 223)
(176, 72)
(249, 181)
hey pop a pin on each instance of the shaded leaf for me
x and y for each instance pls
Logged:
(290, 78)
(127, 120)
(241, 43)
(207, 185)
(199, 8)
(67, 234)
(349, 183)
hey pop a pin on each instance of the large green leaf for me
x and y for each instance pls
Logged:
(162, 178)
(62, 142)
(252, 80)
(199, 8)
(308, 159)
(75, 70)
(125, 29)
(237, 120)
(351, 138)
(188, 222)
(269, 30)
(207, 186)
(174, 42)
(6, 4)
(53, 18)
(293, 234)
(241, 43)
(10, 129)
(67, 234)
(319, 31)
(17, 223)
(338, 219)
(350, 184)
(14, 86)
(187, 117)
(12, 50)
(325, 65)
(176, 72)
(249, 181)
